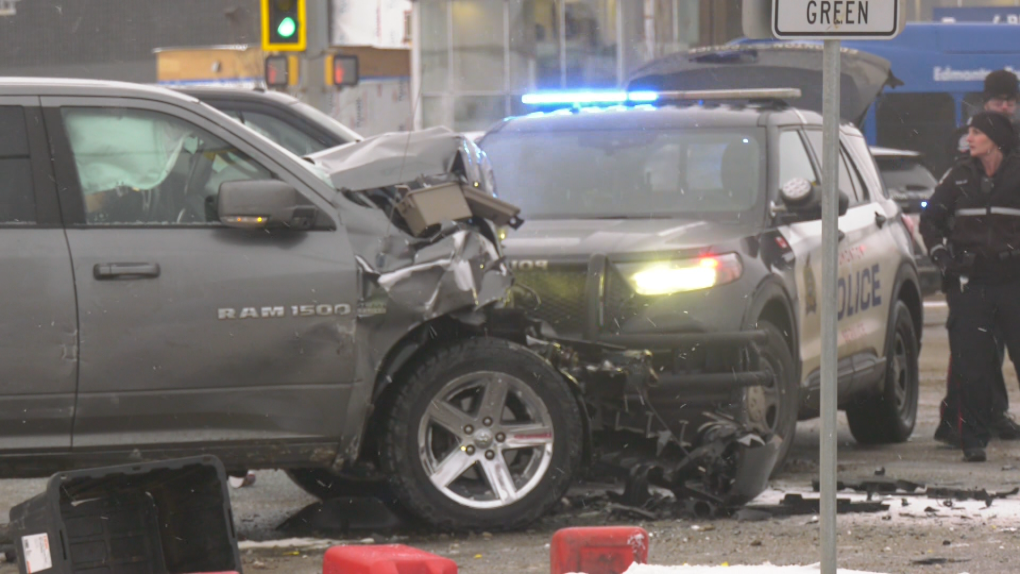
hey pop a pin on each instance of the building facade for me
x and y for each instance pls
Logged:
(474, 59)
(114, 39)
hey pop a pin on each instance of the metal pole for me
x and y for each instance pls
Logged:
(562, 25)
(508, 110)
(416, 69)
(313, 72)
(621, 46)
(830, 241)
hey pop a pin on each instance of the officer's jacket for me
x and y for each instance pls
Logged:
(971, 214)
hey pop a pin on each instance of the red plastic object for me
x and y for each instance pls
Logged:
(598, 550)
(384, 559)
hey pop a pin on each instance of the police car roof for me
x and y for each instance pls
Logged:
(660, 117)
(84, 87)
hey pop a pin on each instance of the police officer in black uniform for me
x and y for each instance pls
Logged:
(971, 228)
(1000, 94)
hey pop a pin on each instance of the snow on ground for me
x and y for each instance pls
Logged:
(1003, 512)
(761, 569)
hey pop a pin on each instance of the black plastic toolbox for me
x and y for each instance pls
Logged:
(167, 517)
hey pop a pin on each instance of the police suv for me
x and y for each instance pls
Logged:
(689, 223)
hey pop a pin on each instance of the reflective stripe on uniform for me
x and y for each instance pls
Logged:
(1005, 211)
(971, 211)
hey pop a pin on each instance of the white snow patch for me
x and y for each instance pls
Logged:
(765, 568)
(310, 543)
(1004, 513)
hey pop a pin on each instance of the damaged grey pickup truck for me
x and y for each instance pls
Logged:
(175, 284)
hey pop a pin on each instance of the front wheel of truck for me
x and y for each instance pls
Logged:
(483, 434)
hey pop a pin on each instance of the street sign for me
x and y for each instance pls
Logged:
(836, 19)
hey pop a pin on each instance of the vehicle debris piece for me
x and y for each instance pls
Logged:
(951, 494)
(797, 504)
(938, 561)
(876, 486)
(633, 511)
(165, 516)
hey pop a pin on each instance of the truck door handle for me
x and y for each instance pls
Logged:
(880, 219)
(125, 270)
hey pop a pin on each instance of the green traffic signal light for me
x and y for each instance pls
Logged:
(283, 25)
(287, 27)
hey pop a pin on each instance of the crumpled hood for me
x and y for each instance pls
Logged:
(582, 237)
(770, 65)
(400, 157)
(410, 275)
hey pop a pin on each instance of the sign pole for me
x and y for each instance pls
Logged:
(313, 77)
(830, 22)
(830, 258)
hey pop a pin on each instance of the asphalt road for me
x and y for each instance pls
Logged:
(961, 537)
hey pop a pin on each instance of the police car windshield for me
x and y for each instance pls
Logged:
(589, 174)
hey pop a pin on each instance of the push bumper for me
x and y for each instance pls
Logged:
(743, 344)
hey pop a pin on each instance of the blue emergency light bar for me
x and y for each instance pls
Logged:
(581, 98)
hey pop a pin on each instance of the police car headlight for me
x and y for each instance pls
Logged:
(666, 278)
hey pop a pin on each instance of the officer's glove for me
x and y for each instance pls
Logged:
(944, 261)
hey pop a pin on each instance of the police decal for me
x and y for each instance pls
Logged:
(859, 291)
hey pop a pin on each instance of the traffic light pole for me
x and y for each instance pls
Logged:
(313, 88)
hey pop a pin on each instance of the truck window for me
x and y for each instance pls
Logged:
(17, 196)
(144, 167)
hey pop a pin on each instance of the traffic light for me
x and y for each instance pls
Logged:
(284, 26)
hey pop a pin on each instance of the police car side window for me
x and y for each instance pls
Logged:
(142, 167)
(846, 183)
(794, 160)
(17, 195)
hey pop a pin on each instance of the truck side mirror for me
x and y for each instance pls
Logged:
(263, 204)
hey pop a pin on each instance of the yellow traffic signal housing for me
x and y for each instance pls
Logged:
(284, 26)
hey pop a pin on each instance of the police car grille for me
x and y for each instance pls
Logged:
(560, 291)
(622, 304)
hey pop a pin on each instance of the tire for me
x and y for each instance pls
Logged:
(772, 409)
(438, 451)
(889, 416)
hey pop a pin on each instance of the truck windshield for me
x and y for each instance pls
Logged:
(589, 174)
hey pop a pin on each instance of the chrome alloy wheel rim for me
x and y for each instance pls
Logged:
(486, 440)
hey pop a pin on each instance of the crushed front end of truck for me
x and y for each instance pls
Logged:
(426, 225)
